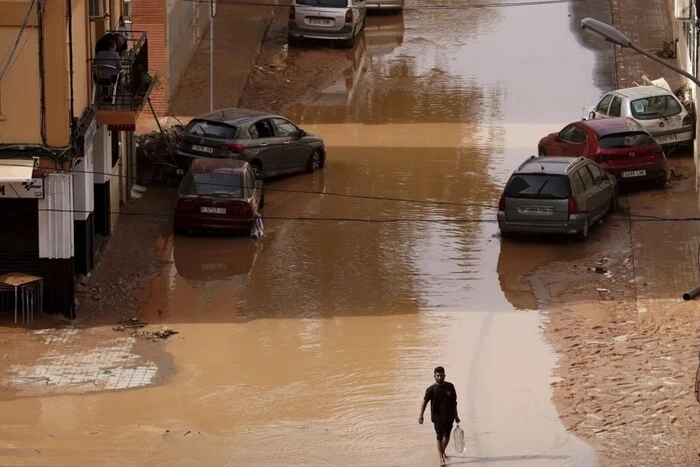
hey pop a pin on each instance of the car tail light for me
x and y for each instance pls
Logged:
(237, 147)
(573, 206)
(349, 16)
(657, 152)
(687, 120)
(502, 203)
(242, 209)
(185, 205)
(292, 12)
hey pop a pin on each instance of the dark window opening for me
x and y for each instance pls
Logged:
(215, 130)
(626, 140)
(116, 153)
(212, 184)
(535, 186)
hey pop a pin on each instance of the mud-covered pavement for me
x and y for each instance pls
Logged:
(314, 345)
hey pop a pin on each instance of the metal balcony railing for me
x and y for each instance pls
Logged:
(125, 84)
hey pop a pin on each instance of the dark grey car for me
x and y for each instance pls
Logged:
(271, 143)
(559, 195)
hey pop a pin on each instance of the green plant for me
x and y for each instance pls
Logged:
(667, 50)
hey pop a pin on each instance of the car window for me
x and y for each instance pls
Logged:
(595, 173)
(650, 108)
(324, 3)
(577, 184)
(567, 133)
(631, 139)
(603, 105)
(284, 127)
(262, 129)
(586, 177)
(615, 107)
(249, 183)
(209, 129)
(578, 136)
(212, 184)
(538, 186)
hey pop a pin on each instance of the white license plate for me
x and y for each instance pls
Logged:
(634, 173)
(319, 21)
(196, 147)
(536, 211)
(208, 210)
(666, 139)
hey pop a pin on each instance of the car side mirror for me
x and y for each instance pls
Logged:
(591, 115)
(299, 134)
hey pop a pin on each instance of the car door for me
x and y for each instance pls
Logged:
(586, 198)
(577, 141)
(568, 142)
(601, 110)
(601, 192)
(294, 152)
(266, 146)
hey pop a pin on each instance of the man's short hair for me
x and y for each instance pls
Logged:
(439, 369)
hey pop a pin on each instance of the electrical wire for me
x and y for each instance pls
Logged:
(11, 54)
(417, 7)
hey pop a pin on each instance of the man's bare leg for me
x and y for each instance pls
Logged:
(445, 442)
(441, 451)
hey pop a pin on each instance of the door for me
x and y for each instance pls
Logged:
(601, 110)
(294, 151)
(586, 200)
(601, 192)
(266, 146)
(571, 141)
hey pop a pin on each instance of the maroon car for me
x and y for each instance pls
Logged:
(620, 145)
(218, 195)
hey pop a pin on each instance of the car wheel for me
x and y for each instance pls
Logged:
(314, 162)
(583, 234)
(541, 151)
(293, 41)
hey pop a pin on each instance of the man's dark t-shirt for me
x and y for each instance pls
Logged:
(443, 402)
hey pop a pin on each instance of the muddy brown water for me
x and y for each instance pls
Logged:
(314, 345)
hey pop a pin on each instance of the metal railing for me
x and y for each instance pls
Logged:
(125, 84)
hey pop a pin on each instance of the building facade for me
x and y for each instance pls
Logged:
(66, 145)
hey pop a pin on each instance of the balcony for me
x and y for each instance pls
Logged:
(120, 88)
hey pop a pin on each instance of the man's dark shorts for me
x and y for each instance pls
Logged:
(442, 429)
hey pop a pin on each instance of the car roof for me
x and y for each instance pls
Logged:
(637, 92)
(555, 165)
(234, 116)
(607, 126)
(209, 165)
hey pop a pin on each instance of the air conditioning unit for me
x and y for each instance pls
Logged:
(682, 10)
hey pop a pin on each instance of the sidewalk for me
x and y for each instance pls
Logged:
(238, 34)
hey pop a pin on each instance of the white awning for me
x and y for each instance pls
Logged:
(16, 170)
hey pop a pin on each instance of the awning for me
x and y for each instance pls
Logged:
(16, 170)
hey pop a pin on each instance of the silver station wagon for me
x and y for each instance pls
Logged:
(341, 20)
(556, 195)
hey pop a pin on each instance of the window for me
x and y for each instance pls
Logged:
(96, 8)
(567, 133)
(578, 136)
(262, 129)
(126, 10)
(249, 183)
(596, 174)
(602, 107)
(226, 185)
(536, 186)
(586, 177)
(630, 139)
(210, 129)
(650, 108)
(616, 107)
(577, 184)
(284, 127)
(116, 147)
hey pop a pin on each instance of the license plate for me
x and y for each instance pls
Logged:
(634, 173)
(536, 211)
(319, 21)
(208, 210)
(666, 139)
(196, 147)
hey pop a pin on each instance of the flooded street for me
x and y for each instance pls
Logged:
(314, 346)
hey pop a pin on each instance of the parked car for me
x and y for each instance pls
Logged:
(340, 20)
(656, 109)
(271, 143)
(620, 145)
(218, 195)
(557, 195)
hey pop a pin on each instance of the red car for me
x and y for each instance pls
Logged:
(620, 145)
(218, 195)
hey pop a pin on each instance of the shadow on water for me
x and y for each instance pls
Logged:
(604, 74)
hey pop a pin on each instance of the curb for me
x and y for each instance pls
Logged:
(256, 57)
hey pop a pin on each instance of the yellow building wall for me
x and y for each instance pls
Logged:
(20, 91)
(56, 66)
(81, 67)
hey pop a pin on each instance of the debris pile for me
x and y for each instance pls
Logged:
(133, 326)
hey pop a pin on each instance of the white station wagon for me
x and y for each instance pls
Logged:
(655, 108)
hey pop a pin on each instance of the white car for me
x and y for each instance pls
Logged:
(656, 109)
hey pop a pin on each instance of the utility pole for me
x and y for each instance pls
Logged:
(212, 13)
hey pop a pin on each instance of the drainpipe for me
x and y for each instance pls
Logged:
(42, 70)
(69, 6)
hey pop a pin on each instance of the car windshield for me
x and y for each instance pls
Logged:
(650, 108)
(324, 3)
(538, 186)
(225, 185)
(626, 140)
(208, 129)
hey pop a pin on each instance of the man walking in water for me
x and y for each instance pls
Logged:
(443, 410)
